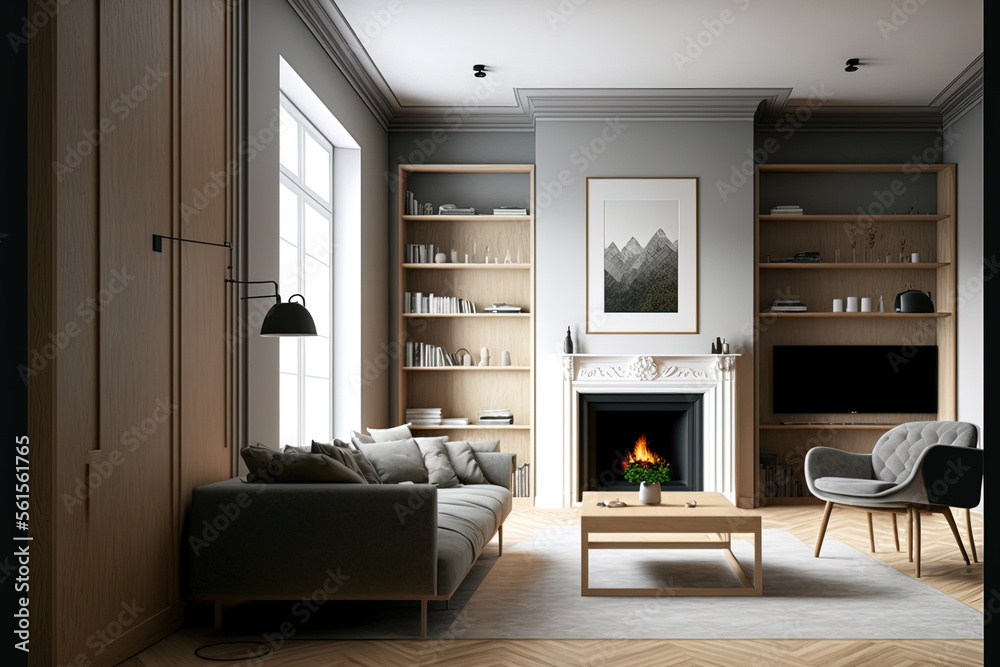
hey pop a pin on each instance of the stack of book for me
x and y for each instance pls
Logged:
(418, 302)
(424, 416)
(455, 421)
(501, 308)
(510, 210)
(522, 481)
(419, 253)
(451, 209)
(495, 417)
(787, 306)
(425, 355)
(413, 207)
(788, 209)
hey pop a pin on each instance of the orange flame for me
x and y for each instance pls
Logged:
(641, 453)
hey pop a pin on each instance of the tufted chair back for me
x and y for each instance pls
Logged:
(897, 450)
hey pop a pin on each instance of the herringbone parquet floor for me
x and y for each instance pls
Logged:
(942, 568)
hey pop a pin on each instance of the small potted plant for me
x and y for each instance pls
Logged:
(649, 470)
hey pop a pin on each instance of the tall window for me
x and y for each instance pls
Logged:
(305, 230)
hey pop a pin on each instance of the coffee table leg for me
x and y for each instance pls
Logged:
(584, 564)
(758, 562)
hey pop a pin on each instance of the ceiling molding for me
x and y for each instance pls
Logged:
(767, 106)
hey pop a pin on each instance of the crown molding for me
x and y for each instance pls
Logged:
(765, 106)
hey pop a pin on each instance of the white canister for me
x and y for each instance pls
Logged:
(866, 304)
(915, 257)
(838, 305)
(852, 304)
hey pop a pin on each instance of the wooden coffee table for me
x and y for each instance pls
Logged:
(669, 525)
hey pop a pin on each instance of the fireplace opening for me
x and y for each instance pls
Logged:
(612, 424)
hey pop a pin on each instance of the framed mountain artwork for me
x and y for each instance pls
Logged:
(642, 255)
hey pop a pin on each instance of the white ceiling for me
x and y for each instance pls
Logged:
(424, 51)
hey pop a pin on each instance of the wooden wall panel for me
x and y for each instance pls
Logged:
(132, 98)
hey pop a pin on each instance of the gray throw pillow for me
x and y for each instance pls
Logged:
(293, 449)
(394, 434)
(395, 462)
(294, 467)
(363, 437)
(485, 446)
(464, 462)
(339, 448)
(440, 472)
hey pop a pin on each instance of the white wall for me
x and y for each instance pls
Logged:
(706, 150)
(277, 32)
(967, 152)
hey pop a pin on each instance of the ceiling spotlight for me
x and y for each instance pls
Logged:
(480, 71)
(852, 65)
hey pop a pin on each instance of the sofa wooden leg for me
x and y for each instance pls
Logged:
(895, 531)
(954, 531)
(822, 528)
(500, 539)
(871, 533)
(972, 540)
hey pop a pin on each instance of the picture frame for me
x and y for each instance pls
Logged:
(642, 255)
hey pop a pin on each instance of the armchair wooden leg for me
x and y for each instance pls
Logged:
(972, 540)
(916, 532)
(500, 540)
(822, 528)
(954, 531)
(871, 532)
(895, 531)
(909, 533)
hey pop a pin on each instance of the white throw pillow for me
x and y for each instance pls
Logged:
(395, 433)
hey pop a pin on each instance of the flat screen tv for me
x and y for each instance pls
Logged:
(855, 378)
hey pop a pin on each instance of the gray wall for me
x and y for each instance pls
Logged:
(966, 136)
(706, 150)
(276, 30)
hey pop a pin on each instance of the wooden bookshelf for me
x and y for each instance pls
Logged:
(822, 189)
(462, 391)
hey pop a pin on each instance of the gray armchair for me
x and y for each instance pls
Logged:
(915, 467)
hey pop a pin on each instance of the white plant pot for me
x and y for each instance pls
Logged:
(649, 494)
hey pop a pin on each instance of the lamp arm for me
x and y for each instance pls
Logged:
(158, 247)
(258, 282)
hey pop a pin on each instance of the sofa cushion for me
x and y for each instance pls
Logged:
(467, 518)
(850, 486)
(395, 462)
(363, 437)
(440, 472)
(401, 432)
(464, 462)
(364, 465)
(342, 454)
(485, 445)
(293, 467)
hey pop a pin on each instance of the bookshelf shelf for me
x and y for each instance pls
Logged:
(873, 231)
(464, 391)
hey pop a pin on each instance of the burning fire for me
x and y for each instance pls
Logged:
(642, 454)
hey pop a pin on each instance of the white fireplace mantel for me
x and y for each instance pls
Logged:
(712, 375)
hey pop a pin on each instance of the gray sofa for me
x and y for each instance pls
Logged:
(258, 541)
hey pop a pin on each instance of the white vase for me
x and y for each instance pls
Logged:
(649, 494)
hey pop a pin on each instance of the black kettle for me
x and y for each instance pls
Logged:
(914, 301)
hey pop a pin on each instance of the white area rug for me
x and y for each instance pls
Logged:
(533, 592)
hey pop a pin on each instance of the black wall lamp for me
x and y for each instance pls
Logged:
(283, 319)
(852, 65)
(480, 71)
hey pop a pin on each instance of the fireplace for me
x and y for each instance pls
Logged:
(670, 425)
(686, 403)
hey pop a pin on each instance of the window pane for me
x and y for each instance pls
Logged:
(289, 139)
(317, 294)
(317, 235)
(288, 270)
(317, 361)
(289, 355)
(317, 409)
(317, 176)
(289, 215)
(288, 419)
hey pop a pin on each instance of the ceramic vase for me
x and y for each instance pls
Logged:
(649, 494)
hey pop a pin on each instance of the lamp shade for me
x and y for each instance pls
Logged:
(288, 319)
